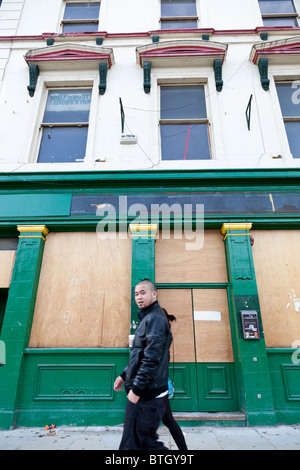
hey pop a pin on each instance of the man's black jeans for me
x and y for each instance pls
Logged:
(141, 423)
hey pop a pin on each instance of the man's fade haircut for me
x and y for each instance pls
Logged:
(148, 283)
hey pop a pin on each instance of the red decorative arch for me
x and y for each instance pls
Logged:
(69, 52)
(181, 50)
(286, 49)
(62, 57)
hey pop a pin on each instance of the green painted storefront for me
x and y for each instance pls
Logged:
(75, 385)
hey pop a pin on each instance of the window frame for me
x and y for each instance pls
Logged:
(62, 124)
(282, 57)
(282, 73)
(204, 81)
(285, 119)
(78, 21)
(175, 67)
(277, 16)
(179, 18)
(50, 80)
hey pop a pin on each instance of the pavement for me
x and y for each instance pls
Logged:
(107, 438)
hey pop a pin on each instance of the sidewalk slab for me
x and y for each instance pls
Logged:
(108, 438)
(242, 439)
(283, 437)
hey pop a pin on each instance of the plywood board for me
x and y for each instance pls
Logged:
(212, 326)
(7, 260)
(276, 257)
(175, 264)
(83, 297)
(178, 302)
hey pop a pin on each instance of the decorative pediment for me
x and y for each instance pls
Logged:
(63, 56)
(64, 53)
(286, 51)
(278, 52)
(184, 53)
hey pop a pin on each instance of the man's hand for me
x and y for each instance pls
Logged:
(118, 384)
(133, 397)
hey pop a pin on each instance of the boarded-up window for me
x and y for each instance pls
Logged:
(202, 328)
(276, 259)
(174, 263)
(83, 297)
(201, 331)
(8, 249)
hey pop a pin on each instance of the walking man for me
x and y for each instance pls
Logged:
(146, 376)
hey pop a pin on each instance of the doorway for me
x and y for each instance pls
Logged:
(3, 301)
(201, 356)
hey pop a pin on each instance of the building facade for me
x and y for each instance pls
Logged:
(153, 139)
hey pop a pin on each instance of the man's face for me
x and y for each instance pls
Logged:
(144, 296)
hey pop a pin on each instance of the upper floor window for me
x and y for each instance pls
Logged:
(81, 17)
(65, 126)
(184, 123)
(278, 12)
(289, 99)
(178, 14)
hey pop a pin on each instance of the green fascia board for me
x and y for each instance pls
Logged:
(8, 228)
(48, 194)
(144, 178)
(40, 204)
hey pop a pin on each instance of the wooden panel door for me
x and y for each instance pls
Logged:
(201, 357)
(212, 325)
(214, 355)
(182, 371)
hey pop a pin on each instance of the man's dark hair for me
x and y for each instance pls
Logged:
(148, 283)
(170, 318)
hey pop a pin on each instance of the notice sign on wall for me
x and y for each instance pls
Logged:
(207, 316)
(250, 324)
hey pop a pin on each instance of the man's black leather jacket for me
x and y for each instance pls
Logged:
(147, 372)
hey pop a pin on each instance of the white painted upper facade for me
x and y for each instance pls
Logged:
(126, 26)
